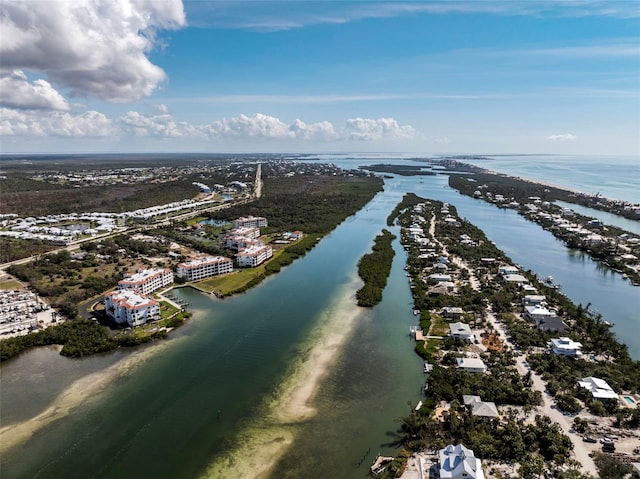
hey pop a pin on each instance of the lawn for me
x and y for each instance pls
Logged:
(10, 284)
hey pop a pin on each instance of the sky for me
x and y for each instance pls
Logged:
(428, 77)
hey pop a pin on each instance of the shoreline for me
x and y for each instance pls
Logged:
(84, 389)
(259, 447)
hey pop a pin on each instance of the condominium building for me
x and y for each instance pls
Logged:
(247, 232)
(250, 222)
(205, 267)
(241, 242)
(146, 281)
(253, 256)
(128, 306)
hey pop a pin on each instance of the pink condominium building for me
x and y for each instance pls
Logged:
(253, 256)
(201, 268)
(128, 306)
(146, 281)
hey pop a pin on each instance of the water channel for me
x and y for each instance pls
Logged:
(205, 402)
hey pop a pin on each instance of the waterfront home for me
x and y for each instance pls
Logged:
(537, 312)
(479, 407)
(146, 281)
(533, 300)
(508, 269)
(553, 324)
(128, 306)
(515, 279)
(452, 312)
(460, 331)
(458, 462)
(598, 387)
(438, 278)
(200, 268)
(471, 365)
(565, 347)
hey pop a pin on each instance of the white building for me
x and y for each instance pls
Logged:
(472, 365)
(146, 281)
(537, 312)
(241, 242)
(460, 331)
(127, 306)
(458, 462)
(204, 267)
(599, 388)
(253, 256)
(565, 347)
(250, 222)
(247, 232)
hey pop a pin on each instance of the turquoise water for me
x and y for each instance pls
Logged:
(615, 177)
(160, 419)
(629, 400)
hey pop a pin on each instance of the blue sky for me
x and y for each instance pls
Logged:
(308, 76)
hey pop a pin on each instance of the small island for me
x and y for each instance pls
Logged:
(374, 269)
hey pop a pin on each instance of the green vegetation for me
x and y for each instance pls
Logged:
(408, 200)
(12, 249)
(80, 337)
(308, 203)
(374, 269)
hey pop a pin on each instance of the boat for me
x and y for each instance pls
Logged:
(549, 280)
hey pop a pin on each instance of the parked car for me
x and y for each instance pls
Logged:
(589, 439)
(608, 447)
(606, 440)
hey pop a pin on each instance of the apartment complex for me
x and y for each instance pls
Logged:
(250, 222)
(128, 306)
(247, 232)
(253, 256)
(201, 268)
(146, 281)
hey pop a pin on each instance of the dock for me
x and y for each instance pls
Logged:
(380, 464)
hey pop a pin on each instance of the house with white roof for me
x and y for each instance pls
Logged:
(471, 365)
(460, 331)
(565, 347)
(537, 312)
(599, 388)
(458, 462)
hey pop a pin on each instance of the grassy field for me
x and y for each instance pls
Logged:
(10, 284)
(236, 281)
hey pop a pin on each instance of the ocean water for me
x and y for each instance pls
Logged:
(614, 177)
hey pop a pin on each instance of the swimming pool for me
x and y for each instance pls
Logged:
(629, 400)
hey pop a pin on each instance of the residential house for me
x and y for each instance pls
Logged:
(599, 388)
(472, 365)
(565, 347)
(460, 331)
(458, 462)
(480, 408)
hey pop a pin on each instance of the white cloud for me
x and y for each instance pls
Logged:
(94, 48)
(368, 129)
(30, 123)
(17, 92)
(562, 137)
(160, 124)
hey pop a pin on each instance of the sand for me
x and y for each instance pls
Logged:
(79, 392)
(260, 446)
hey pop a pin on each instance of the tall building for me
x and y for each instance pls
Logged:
(205, 267)
(146, 281)
(128, 306)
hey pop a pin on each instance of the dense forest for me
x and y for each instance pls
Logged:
(374, 269)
